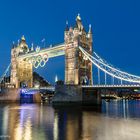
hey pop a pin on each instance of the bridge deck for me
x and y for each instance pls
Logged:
(112, 86)
(57, 50)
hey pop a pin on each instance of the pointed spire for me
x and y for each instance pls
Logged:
(32, 47)
(89, 35)
(18, 42)
(67, 26)
(56, 78)
(23, 38)
(78, 17)
(67, 22)
(90, 29)
(79, 23)
(13, 45)
(22, 44)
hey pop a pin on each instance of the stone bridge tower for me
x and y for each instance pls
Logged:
(78, 70)
(21, 70)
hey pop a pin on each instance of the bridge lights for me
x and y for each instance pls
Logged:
(85, 58)
(37, 85)
(37, 49)
(56, 78)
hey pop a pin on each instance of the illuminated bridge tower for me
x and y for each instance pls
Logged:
(21, 70)
(78, 70)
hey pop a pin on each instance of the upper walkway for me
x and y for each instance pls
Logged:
(53, 51)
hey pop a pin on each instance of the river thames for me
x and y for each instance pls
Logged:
(115, 120)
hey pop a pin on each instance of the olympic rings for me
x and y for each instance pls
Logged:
(39, 61)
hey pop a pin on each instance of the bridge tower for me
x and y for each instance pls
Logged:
(21, 70)
(78, 70)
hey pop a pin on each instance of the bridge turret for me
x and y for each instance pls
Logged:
(23, 47)
(77, 70)
(32, 47)
(21, 69)
(79, 24)
(89, 35)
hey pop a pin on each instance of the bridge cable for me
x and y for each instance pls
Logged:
(5, 73)
(105, 78)
(105, 67)
(98, 76)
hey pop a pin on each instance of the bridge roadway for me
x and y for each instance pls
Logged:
(54, 51)
(34, 90)
(111, 86)
(52, 88)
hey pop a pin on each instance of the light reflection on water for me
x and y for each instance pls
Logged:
(114, 120)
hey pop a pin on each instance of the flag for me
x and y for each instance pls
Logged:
(43, 40)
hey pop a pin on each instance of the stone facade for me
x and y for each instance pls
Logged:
(78, 69)
(76, 94)
(21, 70)
(14, 95)
(10, 95)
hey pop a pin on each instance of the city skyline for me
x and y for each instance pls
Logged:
(111, 35)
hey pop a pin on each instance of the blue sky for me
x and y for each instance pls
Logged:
(115, 23)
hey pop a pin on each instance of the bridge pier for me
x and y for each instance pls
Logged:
(75, 94)
(9, 95)
(14, 95)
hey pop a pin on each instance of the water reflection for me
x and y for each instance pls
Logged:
(115, 120)
(122, 108)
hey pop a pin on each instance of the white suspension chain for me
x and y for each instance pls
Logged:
(100, 63)
(4, 74)
(111, 66)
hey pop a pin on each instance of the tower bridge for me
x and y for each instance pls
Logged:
(24, 59)
(79, 58)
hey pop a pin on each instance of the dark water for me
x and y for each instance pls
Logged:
(116, 120)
